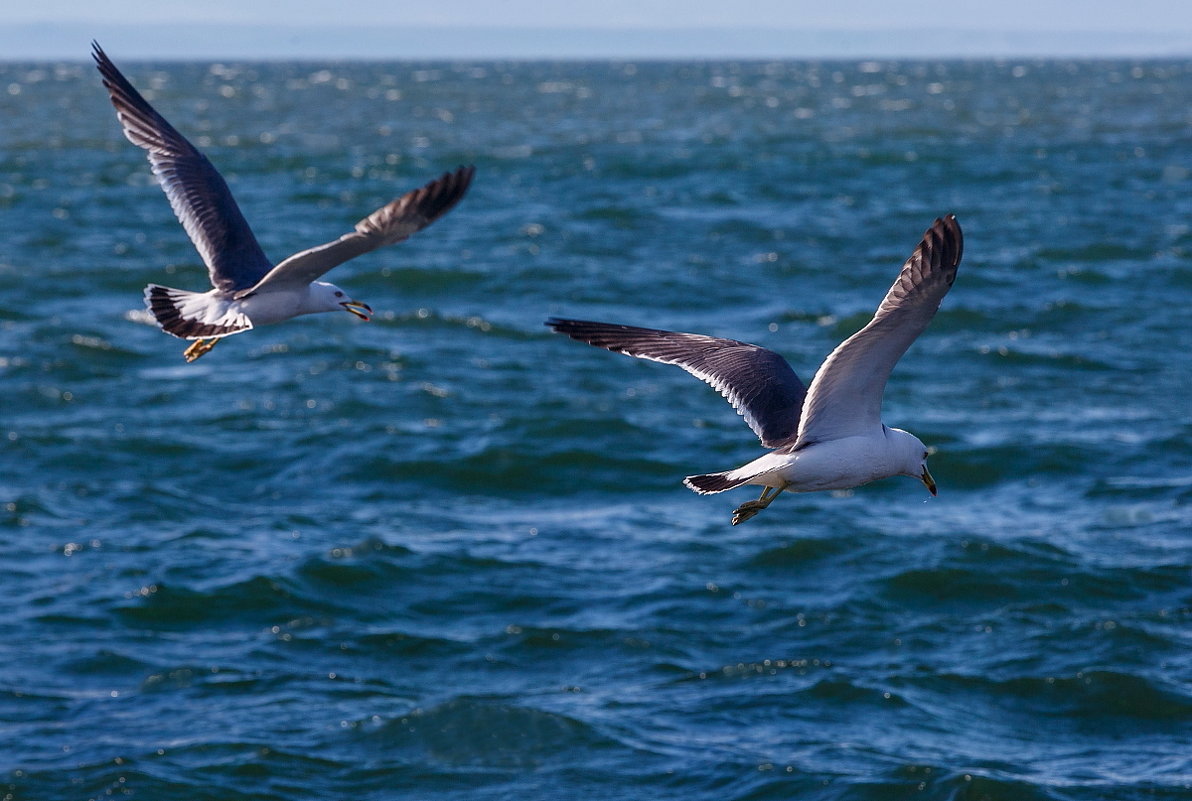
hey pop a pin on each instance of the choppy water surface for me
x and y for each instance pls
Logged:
(447, 554)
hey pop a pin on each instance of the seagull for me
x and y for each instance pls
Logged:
(247, 289)
(828, 436)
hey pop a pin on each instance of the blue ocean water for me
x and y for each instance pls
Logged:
(447, 554)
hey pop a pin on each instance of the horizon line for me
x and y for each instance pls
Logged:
(57, 41)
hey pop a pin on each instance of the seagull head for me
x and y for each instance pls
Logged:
(329, 297)
(913, 455)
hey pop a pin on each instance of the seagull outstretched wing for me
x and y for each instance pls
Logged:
(758, 382)
(198, 193)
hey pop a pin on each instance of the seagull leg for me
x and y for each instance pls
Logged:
(199, 347)
(750, 508)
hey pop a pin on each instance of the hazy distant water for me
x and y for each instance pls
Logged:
(447, 554)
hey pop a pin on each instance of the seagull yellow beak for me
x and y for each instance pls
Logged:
(928, 481)
(361, 310)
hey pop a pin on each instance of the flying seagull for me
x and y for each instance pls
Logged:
(826, 437)
(247, 289)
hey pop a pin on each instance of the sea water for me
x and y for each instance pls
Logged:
(447, 554)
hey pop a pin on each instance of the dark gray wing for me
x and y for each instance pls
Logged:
(388, 225)
(758, 382)
(198, 193)
(846, 394)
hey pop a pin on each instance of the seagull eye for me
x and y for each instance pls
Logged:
(924, 454)
(339, 294)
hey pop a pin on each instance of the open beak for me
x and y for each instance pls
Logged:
(927, 480)
(361, 310)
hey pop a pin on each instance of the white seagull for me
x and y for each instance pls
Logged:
(247, 289)
(826, 437)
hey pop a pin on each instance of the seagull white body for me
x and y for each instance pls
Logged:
(838, 464)
(215, 307)
(273, 307)
(247, 289)
(828, 436)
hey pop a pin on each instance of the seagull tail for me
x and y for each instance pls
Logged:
(193, 315)
(709, 483)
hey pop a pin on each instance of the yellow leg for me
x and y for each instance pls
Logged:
(751, 508)
(198, 348)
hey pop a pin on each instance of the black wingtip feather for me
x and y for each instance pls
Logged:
(603, 335)
(943, 243)
(441, 194)
(609, 336)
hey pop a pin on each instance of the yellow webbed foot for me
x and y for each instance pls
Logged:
(747, 510)
(751, 508)
(198, 348)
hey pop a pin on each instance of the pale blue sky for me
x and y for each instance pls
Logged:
(634, 28)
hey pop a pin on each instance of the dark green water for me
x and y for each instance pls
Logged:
(447, 554)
